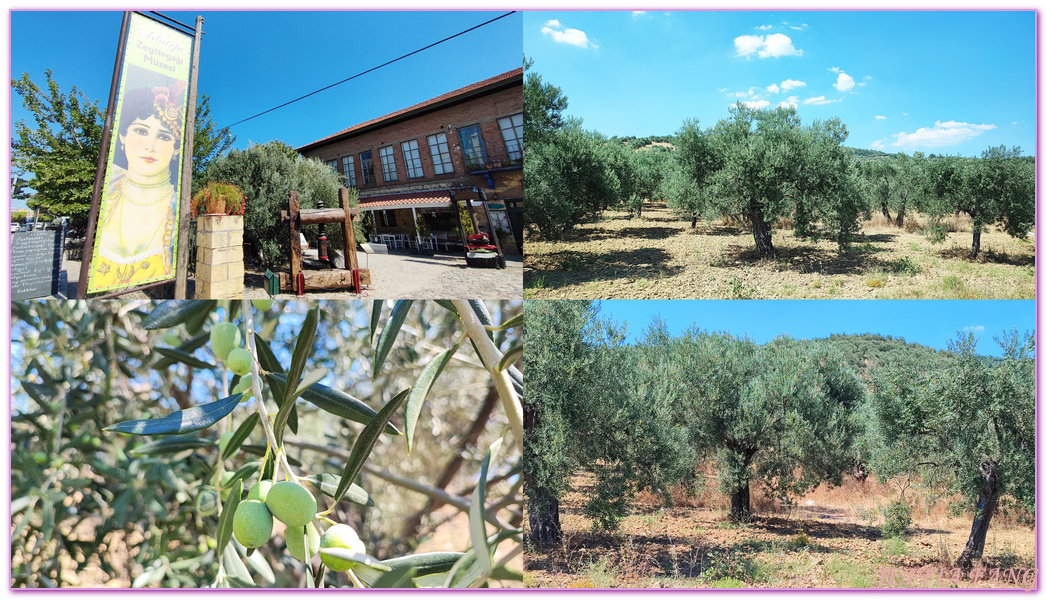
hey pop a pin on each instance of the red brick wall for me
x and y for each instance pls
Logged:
(484, 111)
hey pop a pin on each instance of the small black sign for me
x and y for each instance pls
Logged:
(36, 263)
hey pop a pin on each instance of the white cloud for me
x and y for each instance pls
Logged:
(560, 35)
(877, 145)
(790, 102)
(789, 84)
(974, 329)
(905, 114)
(844, 82)
(773, 88)
(868, 77)
(818, 100)
(639, 13)
(721, 90)
(764, 27)
(757, 104)
(835, 69)
(1014, 122)
(744, 93)
(774, 45)
(949, 133)
(880, 117)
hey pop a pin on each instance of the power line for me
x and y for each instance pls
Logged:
(385, 64)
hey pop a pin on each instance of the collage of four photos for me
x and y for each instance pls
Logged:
(642, 300)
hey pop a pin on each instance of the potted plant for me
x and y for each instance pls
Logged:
(218, 199)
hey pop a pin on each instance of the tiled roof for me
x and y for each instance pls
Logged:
(441, 197)
(449, 95)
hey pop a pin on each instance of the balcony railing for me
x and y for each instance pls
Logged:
(499, 160)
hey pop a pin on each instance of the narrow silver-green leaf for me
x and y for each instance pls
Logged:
(510, 357)
(402, 577)
(233, 565)
(447, 304)
(170, 446)
(366, 441)
(244, 472)
(328, 485)
(149, 577)
(241, 435)
(363, 559)
(376, 317)
(170, 313)
(312, 377)
(421, 389)
(184, 358)
(302, 349)
(389, 333)
(187, 347)
(225, 521)
(182, 421)
(256, 561)
(266, 358)
(511, 323)
(477, 525)
(335, 402)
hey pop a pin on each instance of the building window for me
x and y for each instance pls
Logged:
(388, 163)
(412, 159)
(388, 218)
(366, 168)
(441, 154)
(512, 132)
(333, 164)
(349, 169)
(472, 147)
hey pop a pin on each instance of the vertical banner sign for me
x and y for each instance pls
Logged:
(136, 239)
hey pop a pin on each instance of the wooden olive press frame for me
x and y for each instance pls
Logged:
(298, 281)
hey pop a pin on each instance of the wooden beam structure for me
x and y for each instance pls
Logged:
(350, 277)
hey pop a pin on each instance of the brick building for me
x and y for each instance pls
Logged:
(446, 164)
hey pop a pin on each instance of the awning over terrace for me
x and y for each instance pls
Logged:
(426, 199)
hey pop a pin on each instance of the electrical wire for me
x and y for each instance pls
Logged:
(385, 64)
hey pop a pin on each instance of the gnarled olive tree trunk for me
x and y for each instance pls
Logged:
(987, 500)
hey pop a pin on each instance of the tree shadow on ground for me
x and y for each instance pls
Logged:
(572, 267)
(988, 256)
(641, 232)
(856, 260)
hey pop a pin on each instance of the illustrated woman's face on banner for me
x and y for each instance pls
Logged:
(149, 145)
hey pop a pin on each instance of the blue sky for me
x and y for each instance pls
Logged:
(252, 61)
(931, 323)
(937, 82)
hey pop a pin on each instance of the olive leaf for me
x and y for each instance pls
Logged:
(428, 563)
(376, 317)
(172, 445)
(225, 521)
(388, 335)
(477, 527)
(302, 349)
(447, 304)
(183, 357)
(266, 358)
(402, 577)
(241, 435)
(421, 389)
(333, 401)
(365, 443)
(187, 347)
(328, 485)
(511, 355)
(516, 321)
(182, 421)
(170, 313)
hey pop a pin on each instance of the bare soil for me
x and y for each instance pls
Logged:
(829, 538)
(659, 256)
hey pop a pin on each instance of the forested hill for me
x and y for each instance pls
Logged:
(868, 352)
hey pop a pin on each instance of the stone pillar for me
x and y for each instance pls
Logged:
(219, 256)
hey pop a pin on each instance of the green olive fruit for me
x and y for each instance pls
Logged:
(291, 503)
(260, 490)
(224, 485)
(244, 387)
(295, 537)
(340, 536)
(239, 361)
(262, 304)
(212, 543)
(207, 502)
(224, 337)
(40, 457)
(252, 523)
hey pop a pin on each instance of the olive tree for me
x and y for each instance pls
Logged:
(1000, 187)
(781, 413)
(967, 428)
(763, 164)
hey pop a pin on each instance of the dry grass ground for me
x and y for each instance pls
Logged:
(660, 256)
(829, 539)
